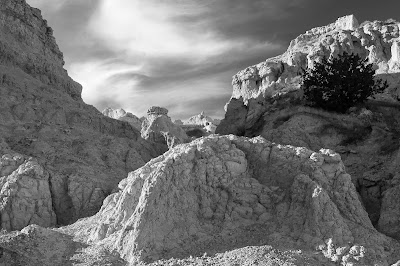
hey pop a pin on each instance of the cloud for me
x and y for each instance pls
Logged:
(150, 29)
(178, 54)
(155, 58)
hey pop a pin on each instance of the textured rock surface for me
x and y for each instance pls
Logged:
(252, 87)
(25, 193)
(159, 128)
(80, 154)
(120, 114)
(34, 246)
(367, 139)
(211, 192)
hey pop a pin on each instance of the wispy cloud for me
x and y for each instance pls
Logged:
(178, 61)
(178, 54)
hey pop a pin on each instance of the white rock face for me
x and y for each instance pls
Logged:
(258, 86)
(121, 114)
(213, 188)
(377, 41)
(159, 128)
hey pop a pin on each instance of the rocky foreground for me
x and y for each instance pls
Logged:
(282, 198)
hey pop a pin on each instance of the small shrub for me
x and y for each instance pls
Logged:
(340, 83)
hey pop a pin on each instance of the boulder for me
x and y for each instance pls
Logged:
(213, 191)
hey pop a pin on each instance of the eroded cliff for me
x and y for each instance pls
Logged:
(59, 156)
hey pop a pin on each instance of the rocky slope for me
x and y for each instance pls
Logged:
(225, 195)
(121, 114)
(59, 157)
(266, 101)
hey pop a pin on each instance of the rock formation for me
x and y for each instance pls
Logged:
(201, 119)
(178, 122)
(209, 124)
(203, 195)
(159, 128)
(252, 87)
(121, 114)
(266, 101)
(59, 156)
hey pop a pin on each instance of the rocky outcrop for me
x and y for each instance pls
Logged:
(120, 114)
(209, 125)
(201, 119)
(159, 128)
(25, 193)
(257, 86)
(27, 43)
(62, 157)
(205, 194)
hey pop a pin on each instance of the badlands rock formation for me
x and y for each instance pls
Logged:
(207, 196)
(377, 41)
(209, 125)
(159, 128)
(266, 101)
(59, 157)
(121, 114)
(201, 119)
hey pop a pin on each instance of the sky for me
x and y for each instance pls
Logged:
(182, 54)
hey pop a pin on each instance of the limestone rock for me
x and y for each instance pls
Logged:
(159, 128)
(213, 189)
(121, 114)
(256, 86)
(25, 194)
(78, 154)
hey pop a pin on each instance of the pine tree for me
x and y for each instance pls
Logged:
(340, 83)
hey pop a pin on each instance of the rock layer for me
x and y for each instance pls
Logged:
(78, 155)
(197, 195)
